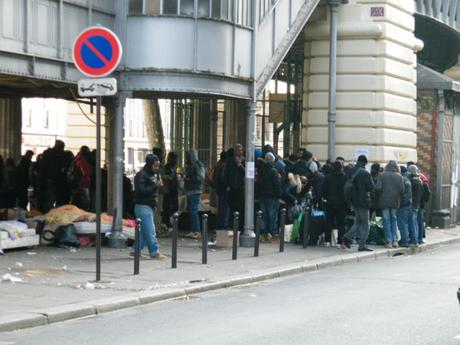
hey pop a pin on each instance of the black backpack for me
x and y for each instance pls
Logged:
(348, 187)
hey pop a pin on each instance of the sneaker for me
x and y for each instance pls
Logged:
(388, 245)
(159, 256)
(365, 249)
(395, 244)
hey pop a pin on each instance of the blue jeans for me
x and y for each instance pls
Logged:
(413, 226)
(148, 233)
(389, 216)
(404, 214)
(223, 211)
(421, 224)
(193, 204)
(269, 209)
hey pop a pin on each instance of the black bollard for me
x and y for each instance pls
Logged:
(175, 226)
(236, 223)
(306, 221)
(204, 240)
(137, 245)
(282, 229)
(258, 224)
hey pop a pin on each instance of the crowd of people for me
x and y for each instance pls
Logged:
(57, 177)
(397, 194)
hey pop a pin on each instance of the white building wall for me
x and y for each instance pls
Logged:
(376, 76)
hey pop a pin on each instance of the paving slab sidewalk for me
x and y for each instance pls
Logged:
(58, 284)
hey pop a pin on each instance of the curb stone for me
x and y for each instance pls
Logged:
(75, 311)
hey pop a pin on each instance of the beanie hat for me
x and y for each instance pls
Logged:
(270, 158)
(257, 154)
(151, 158)
(412, 169)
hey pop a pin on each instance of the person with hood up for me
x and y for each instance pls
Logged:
(193, 187)
(270, 193)
(234, 182)
(390, 186)
(146, 184)
(170, 198)
(362, 185)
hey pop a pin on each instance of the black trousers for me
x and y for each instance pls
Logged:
(235, 199)
(335, 219)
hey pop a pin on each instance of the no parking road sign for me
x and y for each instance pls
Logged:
(97, 51)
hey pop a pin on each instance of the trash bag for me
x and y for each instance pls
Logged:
(296, 231)
(376, 234)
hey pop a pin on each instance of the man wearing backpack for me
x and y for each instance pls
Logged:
(361, 187)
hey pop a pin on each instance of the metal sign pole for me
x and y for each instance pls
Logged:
(98, 188)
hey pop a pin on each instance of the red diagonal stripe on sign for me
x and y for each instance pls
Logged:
(95, 51)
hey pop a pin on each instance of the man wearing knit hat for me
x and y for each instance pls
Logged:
(362, 185)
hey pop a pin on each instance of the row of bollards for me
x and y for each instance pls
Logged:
(204, 237)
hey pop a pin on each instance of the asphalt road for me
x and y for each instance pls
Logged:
(405, 300)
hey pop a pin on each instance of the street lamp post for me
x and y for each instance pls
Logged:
(331, 114)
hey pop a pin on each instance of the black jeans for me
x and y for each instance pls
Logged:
(335, 219)
(235, 200)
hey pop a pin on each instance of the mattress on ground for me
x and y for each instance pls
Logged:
(26, 233)
(89, 228)
(29, 241)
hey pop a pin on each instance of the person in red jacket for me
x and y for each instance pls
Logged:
(82, 170)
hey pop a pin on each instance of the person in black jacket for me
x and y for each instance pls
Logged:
(336, 206)
(23, 179)
(270, 193)
(233, 180)
(146, 184)
(219, 186)
(417, 190)
(170, 198)
(362, 185)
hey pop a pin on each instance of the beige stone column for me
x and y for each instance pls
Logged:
(376, 76)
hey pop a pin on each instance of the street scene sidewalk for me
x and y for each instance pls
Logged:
(46, 284)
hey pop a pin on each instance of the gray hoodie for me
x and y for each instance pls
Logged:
(194, 173)
(390, 186)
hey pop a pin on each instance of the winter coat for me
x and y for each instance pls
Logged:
(86, 170)
(416, 184)
(317, 183)
(390, 186)
(426, 192)
(145, 190)
(406, 195)
(362, 186)
(269, 182)
(233, 175)
(333, 189)
(218, 178)
(194, 173)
